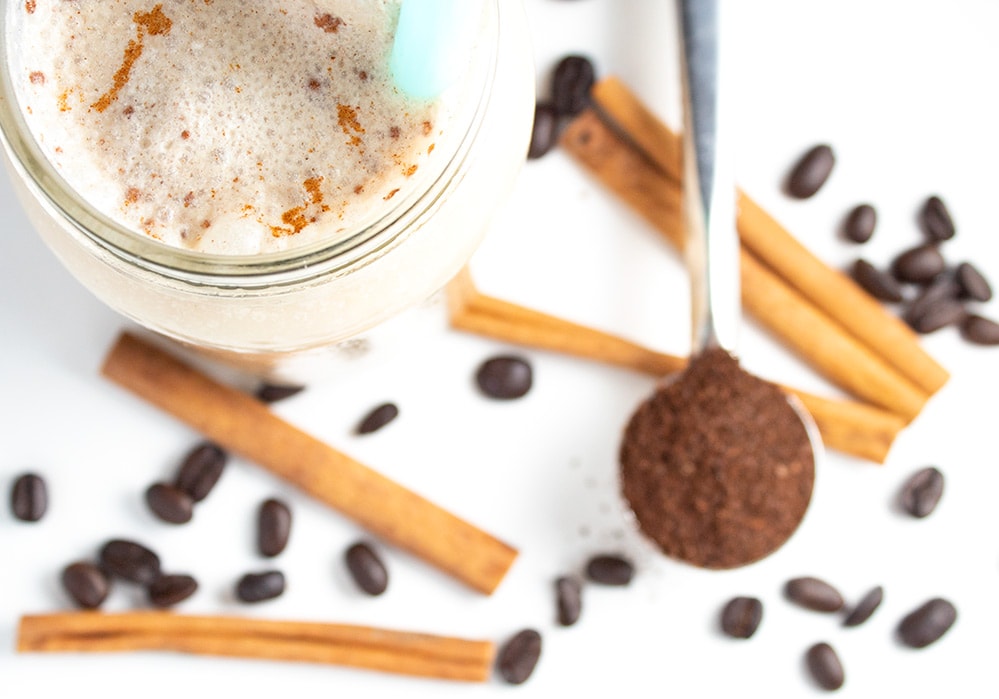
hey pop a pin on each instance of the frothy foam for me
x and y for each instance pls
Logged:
(227, 126)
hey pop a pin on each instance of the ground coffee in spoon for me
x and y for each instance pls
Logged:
(716, 466)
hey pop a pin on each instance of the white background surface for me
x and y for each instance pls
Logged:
(905, 93)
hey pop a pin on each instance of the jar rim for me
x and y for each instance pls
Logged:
(196, 266)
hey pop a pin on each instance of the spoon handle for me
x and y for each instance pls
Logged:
(712, 247)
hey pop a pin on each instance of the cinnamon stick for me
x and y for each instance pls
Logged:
(384, 650)
(847, 426)
(838, 296)
(819, 340)
(607, 156)
(829, 289)
(247, 426)
(493, 317)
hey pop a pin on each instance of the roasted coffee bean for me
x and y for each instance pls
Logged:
(944, 286)
(273, 527)
(926, 318)
(544, 132)
(811, 172)
(201, 469)
(569, 599)
(814, 594)
(926, 624)
(973, 284)
(922, 491)
(170, 504)
(378, 418)
(574, 77)
(609, 569)
(169, 590)
(741, 616)
(918, 265)
(519, 656)
(259, 587)
(825, 666)
(876, 282)
(505, 377)
(86, 584)
(29, 498)
(980, 330)
(860, 223)
(935, 220)
(130, 561)
(272, 393)
(367, 568)
(867, 605)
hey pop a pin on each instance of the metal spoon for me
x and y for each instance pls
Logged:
(706, 504)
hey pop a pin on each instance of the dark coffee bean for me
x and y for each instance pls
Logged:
(201, 469)
(860, 223)
(505, 377)
(973, 284)
(378, 418)
(608, 569)
(944, 286)
(545, 131)
(169, 590)
(367, 569)
(259, 587)
(130, 561)
(922, 491)
(273, 527)
(814, 594)
(926, 318)
(86, 584)
(825, 666)
(574, 77)
(272, 393)
(569, 599)
(170, 504)
(741, 616)
(980, 330)
(925, 625)
(935, 220)
(918, 265)
(876, 282)
(811, 172)
(519, 656)
(867, 605)
(29, 498)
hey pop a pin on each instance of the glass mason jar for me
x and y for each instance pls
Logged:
(287, 315)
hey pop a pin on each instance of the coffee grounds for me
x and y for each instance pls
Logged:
(716, 466)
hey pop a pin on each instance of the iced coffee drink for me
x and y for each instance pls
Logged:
(255, 178)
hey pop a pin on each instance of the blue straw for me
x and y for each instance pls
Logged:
(432, 44)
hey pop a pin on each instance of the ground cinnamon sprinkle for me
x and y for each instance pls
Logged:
(29, 6)
(347, 118)
(716, 466)
(312, 186)
(328, 23)
(37, 77)
(153, 22)
(296, 217)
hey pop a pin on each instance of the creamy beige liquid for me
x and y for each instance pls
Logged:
(226, 126)
(284, 315)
